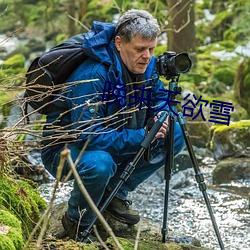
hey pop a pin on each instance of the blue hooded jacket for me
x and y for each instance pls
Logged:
(87, 117)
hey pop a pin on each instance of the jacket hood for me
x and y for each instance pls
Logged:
(98, 42)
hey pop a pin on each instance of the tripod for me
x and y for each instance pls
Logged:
(129, 168)
(173, 87)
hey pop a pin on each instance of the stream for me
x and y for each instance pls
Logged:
(187, 212)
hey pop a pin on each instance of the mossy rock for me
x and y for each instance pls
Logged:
(150, 236)
(11, 237)
(128, 244)
(230, 140)
(21, 199)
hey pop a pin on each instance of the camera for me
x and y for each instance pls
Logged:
(171, 65)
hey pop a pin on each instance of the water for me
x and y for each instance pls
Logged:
(187, 212)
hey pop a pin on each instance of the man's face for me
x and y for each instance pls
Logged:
(137, 53)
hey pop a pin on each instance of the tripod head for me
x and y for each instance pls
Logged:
(174, 89)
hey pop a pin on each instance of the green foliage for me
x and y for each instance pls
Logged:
(242, 84)
(229, 23)
(40, 21)
(215, 72)
(12, 67)
(16, 61)
(160, 49)
(60, 38)
(221, 23)
(224, 75)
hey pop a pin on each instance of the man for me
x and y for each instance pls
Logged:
(105, 116)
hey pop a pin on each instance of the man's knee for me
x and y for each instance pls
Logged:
(97, 165)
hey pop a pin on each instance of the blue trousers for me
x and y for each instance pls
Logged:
(100, 170)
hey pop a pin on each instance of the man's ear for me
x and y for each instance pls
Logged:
(118, 42)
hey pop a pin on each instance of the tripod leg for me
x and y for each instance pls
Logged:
(129, 168)
(168, 173)
(199, 177)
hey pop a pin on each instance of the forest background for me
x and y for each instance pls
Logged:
(214, 33)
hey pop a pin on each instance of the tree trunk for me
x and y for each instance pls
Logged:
(83, 8)
(71, 6)
(181, 27)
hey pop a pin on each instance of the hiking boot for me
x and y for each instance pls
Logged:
(121, 211)
(75, 231)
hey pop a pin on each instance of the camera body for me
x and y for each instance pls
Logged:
(171, 65)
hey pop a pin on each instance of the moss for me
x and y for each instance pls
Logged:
(13, 239)
(66, 245)
(22, 200)
(219, 131)
(9, 219)
(6, 243)
(128, 244)
(16, 237)
(234, 125)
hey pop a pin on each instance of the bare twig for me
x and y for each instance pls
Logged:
(137, 236)
(67, 155)
(77, 21)
(99, 238)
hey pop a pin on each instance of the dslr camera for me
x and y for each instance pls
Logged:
(171, 65)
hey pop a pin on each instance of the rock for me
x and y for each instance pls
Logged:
(181, 179)
(31, 168)
(199, 132)
(231, 169)
(149, 238)
(232, 140)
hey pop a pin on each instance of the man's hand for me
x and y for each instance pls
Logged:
(164, 128)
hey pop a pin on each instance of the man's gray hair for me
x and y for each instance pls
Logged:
(137, 22)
